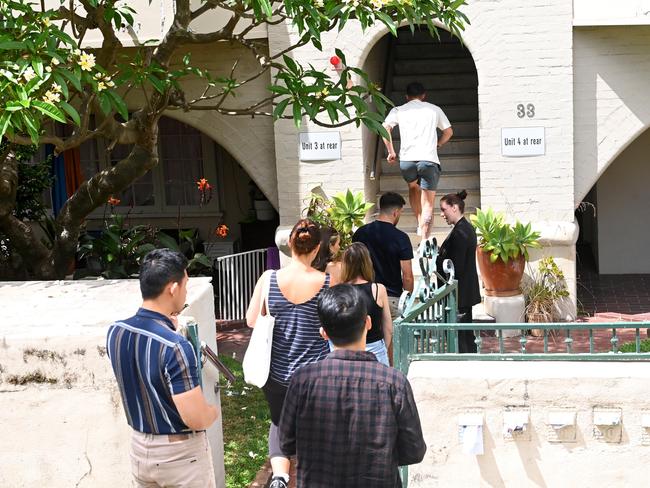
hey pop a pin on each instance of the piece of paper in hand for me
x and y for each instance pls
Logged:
(473, 439)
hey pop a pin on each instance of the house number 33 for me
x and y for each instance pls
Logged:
(525, 110)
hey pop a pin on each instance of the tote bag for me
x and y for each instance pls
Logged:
(257, 360)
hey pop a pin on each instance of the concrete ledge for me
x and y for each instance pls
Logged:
(63, 420)
(575, 452)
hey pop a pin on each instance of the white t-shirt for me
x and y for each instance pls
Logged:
(417, 122)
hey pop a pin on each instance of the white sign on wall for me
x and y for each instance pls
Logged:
(522, 141)
(320, 146)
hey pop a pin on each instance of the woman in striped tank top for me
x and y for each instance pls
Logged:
(293, 297)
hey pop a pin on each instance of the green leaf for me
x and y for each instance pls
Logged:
(73, 79)
(290, 64)
(50, 110)
(14, 106)
(71, 111)
(297, 114)
(156, 83)
(167, 241)
(5, 120)
(7, 45)
(31, 125)
(388, 22)
(119, 104)
(105, 103)
(37, 64)
(280, 108)
(62, 83)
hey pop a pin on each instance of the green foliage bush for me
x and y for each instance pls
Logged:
(631, 346)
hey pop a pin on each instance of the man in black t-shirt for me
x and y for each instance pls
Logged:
(390, 249)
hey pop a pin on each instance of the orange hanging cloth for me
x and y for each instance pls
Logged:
(73, 176)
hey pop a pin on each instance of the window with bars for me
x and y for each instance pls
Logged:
(186, 155)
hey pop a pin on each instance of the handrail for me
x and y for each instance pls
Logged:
(387, 69)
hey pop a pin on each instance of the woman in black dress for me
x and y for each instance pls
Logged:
(460, 247)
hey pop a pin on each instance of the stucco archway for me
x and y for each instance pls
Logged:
(448, 72)
(610, 101)
(249, 141)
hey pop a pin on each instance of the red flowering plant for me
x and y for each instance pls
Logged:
(221, 231)
(205, 189)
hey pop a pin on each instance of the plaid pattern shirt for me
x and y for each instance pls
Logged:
(351, 421)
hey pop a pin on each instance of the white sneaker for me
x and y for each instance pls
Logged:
(418, 232)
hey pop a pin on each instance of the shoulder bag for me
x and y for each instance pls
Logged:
(257, 360)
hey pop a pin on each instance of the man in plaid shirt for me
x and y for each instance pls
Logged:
(350, 420)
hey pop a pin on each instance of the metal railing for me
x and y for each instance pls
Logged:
(563, 341)
(236, 275)
(427, 331)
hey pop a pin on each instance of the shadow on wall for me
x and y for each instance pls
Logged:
(611, 69)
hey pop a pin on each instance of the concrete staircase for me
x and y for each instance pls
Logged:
(447, 71)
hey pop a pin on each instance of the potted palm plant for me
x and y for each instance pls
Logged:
(502, 251)
(543, 290)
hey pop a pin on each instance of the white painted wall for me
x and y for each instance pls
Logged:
(523, 54)
(611, 70)
(623, 208)
(602, 12)
(74, 432)
(444, 390)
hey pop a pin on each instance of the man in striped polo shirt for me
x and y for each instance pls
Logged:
(156, 371)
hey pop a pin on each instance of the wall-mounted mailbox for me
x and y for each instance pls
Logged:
(608, 424)
(516, 423)
(470, 432)
(561, 426)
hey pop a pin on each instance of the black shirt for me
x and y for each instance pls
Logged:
(388, 246)
(460, 247)
(351, 422)
(376, 332)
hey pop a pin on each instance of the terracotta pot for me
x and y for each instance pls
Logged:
(500, 279)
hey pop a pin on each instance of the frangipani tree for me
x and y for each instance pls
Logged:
(48, 77)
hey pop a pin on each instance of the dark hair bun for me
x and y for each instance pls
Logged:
(462, 194)
(305, 236)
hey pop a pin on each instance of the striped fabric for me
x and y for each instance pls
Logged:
(151, 363)
(296, 336)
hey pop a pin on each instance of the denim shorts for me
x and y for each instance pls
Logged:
(426, 173)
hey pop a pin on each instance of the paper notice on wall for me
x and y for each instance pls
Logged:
(472, 439)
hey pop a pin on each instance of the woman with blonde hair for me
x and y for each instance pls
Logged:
(357, 270)
(293, 297)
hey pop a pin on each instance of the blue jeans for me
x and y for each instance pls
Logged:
(378, 348)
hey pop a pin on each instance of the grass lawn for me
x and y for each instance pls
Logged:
(246, 421)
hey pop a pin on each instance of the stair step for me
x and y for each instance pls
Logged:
(436, 82)
(408, 222)
(461, 96)
(448, 179)
(465, 130)
(431, 50)
(462, 130)
(448, 163)
(433, 66)
(456, 146)
(472, 201)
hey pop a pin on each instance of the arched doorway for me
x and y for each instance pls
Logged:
(613, 262)
(446, 69)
